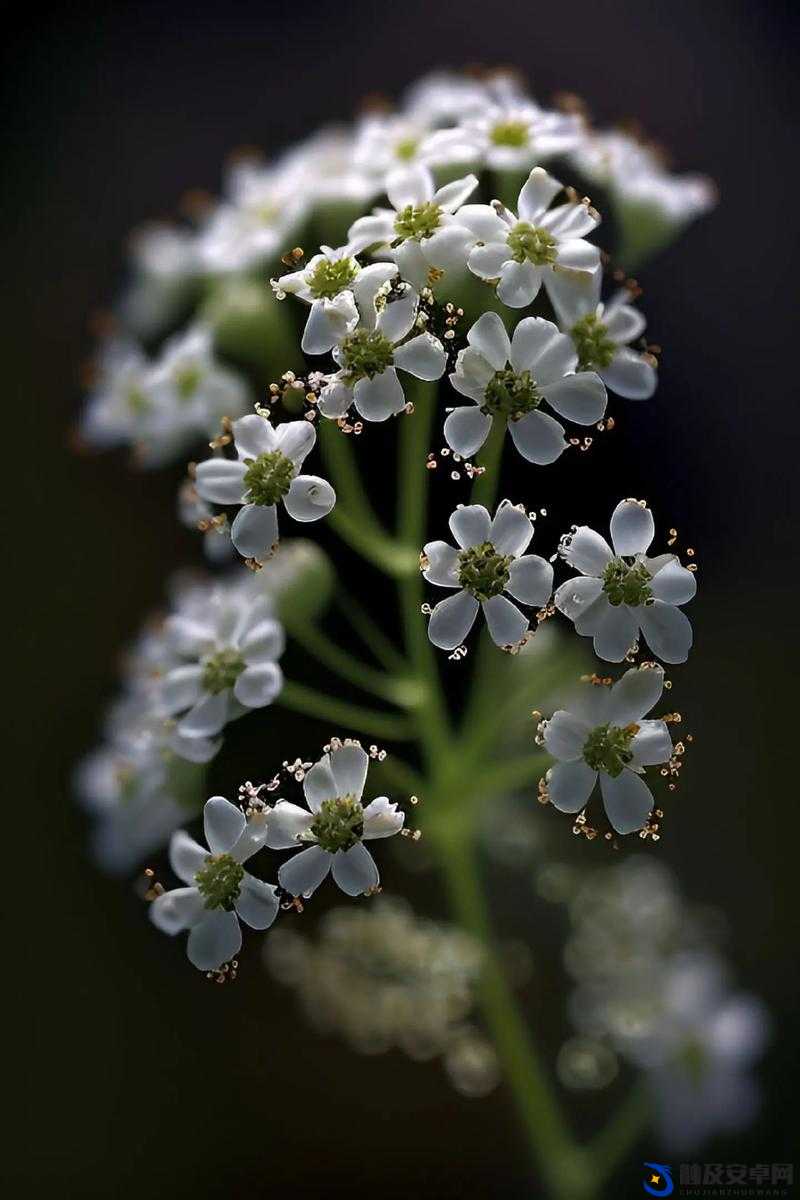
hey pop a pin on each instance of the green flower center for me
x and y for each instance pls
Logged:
(366, 354)
(136, 400)
(511, 394)
(339, 824)
(532, 244)
(406, 149)
(417, 222)
(627, 583)
(221, 671)
(187, 380)
(329, 278)
(268, 477)
(482, 571)
(219, 881)
(608, 748)
(510, 133)
(595, 348)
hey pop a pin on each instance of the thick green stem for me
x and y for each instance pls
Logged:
(373, 637)
(395, 688)
(344, 714)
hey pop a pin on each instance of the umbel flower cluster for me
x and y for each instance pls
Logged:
(438, 271)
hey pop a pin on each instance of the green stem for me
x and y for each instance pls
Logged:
(373, 545)
(622, 1131)
(370, 633)
(353, 717)
(392, 688)
(485, 487)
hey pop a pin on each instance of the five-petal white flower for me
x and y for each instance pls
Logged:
(265, 472)
(219, 891)
(507, 379)
(507, 137)
(606, 738)
(621, 592)
(490, 560)
(337, 825)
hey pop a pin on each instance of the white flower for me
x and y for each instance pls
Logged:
(337, 824)
(602, 333)
(340, 292)
(622, 592)
(509, 379)
(226, 655)
(266, 205)
(490, 560)
(324, 168)
(264, 473)
(369, 360)
(607, 739)
(166, 267)
(420, 226)
(195, 513)
(443, 97)
(507, 137)
(386, 142)
(219, 891)
(116, 411)
(521, 253)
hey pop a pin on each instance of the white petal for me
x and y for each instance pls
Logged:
(565, 735)
(295, 439)
(487, 261)
(580, 398)
(574, 295)
(335, 399)
(206, 717)
(569, 221)
(215, 940)
(672, 583)
(484, 223)
(254, 531)
(309, 498)
(570, 785)
(257, 903)
(623, 322)
(452, 619)
(507, 625)
(452, 195)
(615, 633)
(575, 596)
(442, 568)
(258, 686)
(538, 437)
(632, 528)
(470, 525)
(519, 284)
(412, 265)
(466, 429)
(319, 784)
(264, 642)
(635, 694)
(531, 580)
(652, 744)
(303, 873)
(587, 551)
(180, 689)
(328, 322)
(397, 317)
(349, 766)
(627, 799)
(186, 856)
(366, 287)
(538, 346)
(488, 336)
(354, 870)
(511, 530)
(447, 248)
(221, 480)
(537, 192)
(380, 398)
(373, 230)
(253, 435)
(223, 824)
(422, 356)
(190, 638)
(285, 825)
(176, 910)
(667, 631)
(253, 838)
(409, 185)
(382, 819)
(630, 375)
(576, 257)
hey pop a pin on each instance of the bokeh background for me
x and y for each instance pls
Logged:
(129, 1075)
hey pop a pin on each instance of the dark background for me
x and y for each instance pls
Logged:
(129, 1076)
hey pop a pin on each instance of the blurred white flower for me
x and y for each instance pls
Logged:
(621, 592)
(508, 379)
(510, 136)
(264, 473)
(165, 266)
(340, 292)
(490, 560)
(219, 891)
(195, 513)
(337, 825)
(265, 206)
(607, 739)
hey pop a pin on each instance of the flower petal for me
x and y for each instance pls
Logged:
(254, 531)
(223, 824)
(538, 437)
(615, 632)
(565, 735)
(253, 435)
(382, 819)
(487, 261)
(180, 689)
(335, 399)
(531, 580)
(635, 694)
(296, 440)
(632, 528)
(466, 429)
(221, 480)
(511, 530)
(507, 625)
(630, 375)
(303, 873)
(264, 642)
(354, 870)
(380, 398)
(206, 717)
(186, 856)
(667, 631)
(538, 346)
(409, 185)
(422, 356)
(447, 248)
(285, 825)
(672, 583)
(652, 744)
(537, 192)
(488, 336)
(580, 398)
(623, 322)
(176, 910)
(319, 784)
(519, 283)
(587, 551)
(366, 287)
(484, 222)
(452, 619)
(627, 799)
(452, 195)
(257, 903)
(309, 498)
(470, 525)
(575, 596)
(398, 315)
(258, 685)
(570, 785)
(215, 940)
(349, 765)
(442, 568)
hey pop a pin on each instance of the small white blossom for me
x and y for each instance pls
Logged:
(607, 739)
(508, 379)
(623, 591)
(337, 825)
(166, 267)
(509, 136)
(219, 891)
(265, 471)
(193, 511)
(265, 206)
(369, 359)
(490, 560)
